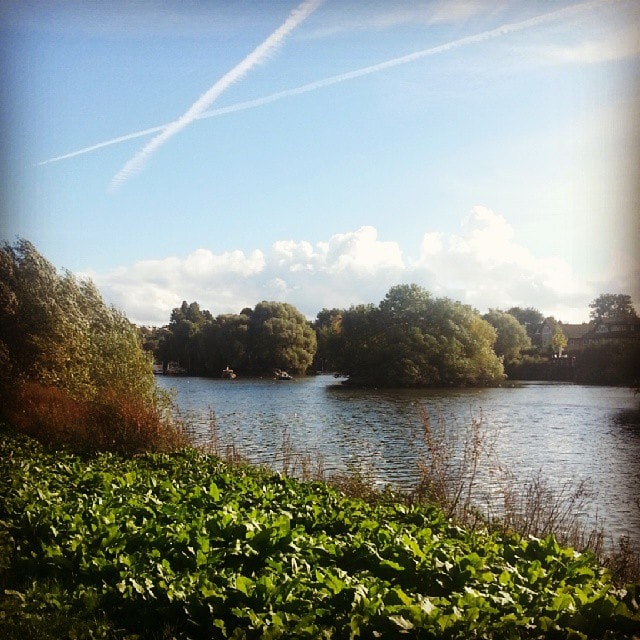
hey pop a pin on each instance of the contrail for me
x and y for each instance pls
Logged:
(350, 75)
(258, 55)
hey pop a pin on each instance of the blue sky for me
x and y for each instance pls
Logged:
(499, 166)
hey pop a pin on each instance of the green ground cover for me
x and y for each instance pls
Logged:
(182, 545)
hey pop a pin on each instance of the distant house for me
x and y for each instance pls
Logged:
(543, 333)
(575, 334)
(587, 333)
(612, 329)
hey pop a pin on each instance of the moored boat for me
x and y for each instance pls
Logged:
(228, 373)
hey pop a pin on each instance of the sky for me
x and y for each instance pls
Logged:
(320, 152)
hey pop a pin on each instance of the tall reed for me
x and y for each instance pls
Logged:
(453, 470)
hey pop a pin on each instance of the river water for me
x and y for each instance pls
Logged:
(566, 433)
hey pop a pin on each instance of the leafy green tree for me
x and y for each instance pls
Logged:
(184, 343)
(57, 331)
(280, 337)
(530, 318)
(362, 341)
(412, 339)
(612, 305)
(226, 343)
(558, 340)
(328, 327)
(512, 336)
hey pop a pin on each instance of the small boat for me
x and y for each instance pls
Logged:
(158, 368)
(280, 374)
(174, 369)
(228, 373)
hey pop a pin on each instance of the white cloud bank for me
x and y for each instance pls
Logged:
(483, 265)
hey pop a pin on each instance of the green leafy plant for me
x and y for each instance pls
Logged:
(137, 546)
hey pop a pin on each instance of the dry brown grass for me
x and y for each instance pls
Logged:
(116, 422)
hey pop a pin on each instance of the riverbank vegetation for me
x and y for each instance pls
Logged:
(72, 369)
(185, 546)
(410, 339)
(272, 335)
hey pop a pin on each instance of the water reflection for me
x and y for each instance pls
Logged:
(629, 419)
(567, 432)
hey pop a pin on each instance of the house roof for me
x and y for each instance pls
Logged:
(576, 331)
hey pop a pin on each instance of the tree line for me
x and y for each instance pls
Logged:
(409, 339)
(272, 335)
(57, 330)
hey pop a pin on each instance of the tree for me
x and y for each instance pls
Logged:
(512, 336)
(183, 344)
(612, 305)
(529, 318)
(328, 327)
(413, 340)
(225, 343)
(57, 331)
(280, 337)
(558, 340)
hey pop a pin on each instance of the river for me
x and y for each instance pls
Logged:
(567, 433)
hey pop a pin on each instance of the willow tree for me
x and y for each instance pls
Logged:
(56, 330)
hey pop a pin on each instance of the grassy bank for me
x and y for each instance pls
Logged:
(183, 545)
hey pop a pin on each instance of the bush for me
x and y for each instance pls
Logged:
(120, 423)
(615, 363)
(57, 331)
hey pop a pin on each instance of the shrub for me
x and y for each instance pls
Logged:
(121, 423)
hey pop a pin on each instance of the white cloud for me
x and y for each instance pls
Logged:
(361, 253)
(483, 264)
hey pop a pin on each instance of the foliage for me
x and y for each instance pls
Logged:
(73, 372)
(183, 342)
(328, 327)
(281, 337)
(120, 422)
(183, 544)
(558, 340)
(511, 337)
(614, 363)
(412, 339)
(530, 318)
(57, 331)
(612, 305)
(272, 335)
